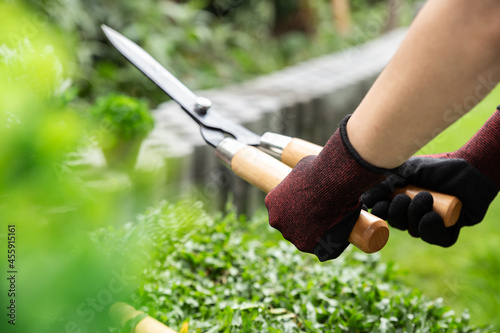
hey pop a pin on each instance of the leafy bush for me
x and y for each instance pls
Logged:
(124, 117)
(58, 266)
(122, 123)
(225, 275)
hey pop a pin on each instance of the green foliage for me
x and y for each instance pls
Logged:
(38, 127)
(121, 123)
(125, 118)
(59, 268)
(24, 57)
(205, 43)
(229, 275)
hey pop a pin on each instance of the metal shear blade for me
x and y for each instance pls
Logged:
(198, 108)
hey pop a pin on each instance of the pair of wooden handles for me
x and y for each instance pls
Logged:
(370, 234)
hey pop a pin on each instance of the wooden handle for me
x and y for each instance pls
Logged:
(370, 233)
(121, 313)
(447, 206)
(297, 149)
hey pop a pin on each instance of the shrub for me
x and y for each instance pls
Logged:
(123, 123)
(125, 117)
(57, 265)
(227, 275)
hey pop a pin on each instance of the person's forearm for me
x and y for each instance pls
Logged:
(448, 62)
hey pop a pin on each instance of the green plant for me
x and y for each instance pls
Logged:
(57, 266)
(126, 118)
(122, 122)
(229, 275)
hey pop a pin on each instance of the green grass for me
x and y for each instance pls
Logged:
(467, 274)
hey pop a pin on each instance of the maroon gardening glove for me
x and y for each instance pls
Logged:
(317, 205)
(471, 173)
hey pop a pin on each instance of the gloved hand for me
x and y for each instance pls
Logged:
(471, 173)
(316, 206)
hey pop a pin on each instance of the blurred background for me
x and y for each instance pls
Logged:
(207, 43)
(88, 238)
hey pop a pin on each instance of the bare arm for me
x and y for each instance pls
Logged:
(447, 63)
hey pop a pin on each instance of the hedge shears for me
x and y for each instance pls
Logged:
(262, 160)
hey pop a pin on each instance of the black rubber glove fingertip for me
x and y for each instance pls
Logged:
(433, 231)
(381, 209)
(419, 206)
(398, 212)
